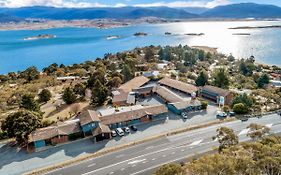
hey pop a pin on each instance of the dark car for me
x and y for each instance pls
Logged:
(134, 128)
(232, 114)
(244, 119)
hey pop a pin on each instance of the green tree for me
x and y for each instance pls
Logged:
(263, 80)
(243, 98)
(240, 108)
(79, 89)
(127, 73)
(21, 124)
(149, 54)
(51, 70)
(99, 94)
(221, 78)
(204, 104)
(202, 79)
(69, 96)
(226, 138)
(45, 95)
(169, 169)
(257, 131)
(114, 82)
(30, 74)
(28, 102)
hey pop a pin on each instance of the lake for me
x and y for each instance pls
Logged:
(76, 45)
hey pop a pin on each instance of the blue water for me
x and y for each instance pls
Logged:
(75, 45)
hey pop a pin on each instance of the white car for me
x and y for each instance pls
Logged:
(127, 130)
(120, 132)
(113, 133)
(184, 115)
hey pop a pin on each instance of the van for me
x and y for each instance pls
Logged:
(120, 132)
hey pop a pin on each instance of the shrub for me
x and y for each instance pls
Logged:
(240, 108)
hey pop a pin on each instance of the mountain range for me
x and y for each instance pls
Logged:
(234, 11)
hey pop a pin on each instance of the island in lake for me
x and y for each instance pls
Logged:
(256, 27)
(242, 34)
(113, 37)
(44, 36)
(140, 34)
(195, 34)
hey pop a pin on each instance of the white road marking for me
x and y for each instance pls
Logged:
(164, 155)
(153, 159)
(112, 165)
(244, 131)
(136, 161)
(91, 165)
(182, 150)
(196, 143)
(111, 173)
(134, 165)
(173, 153)
(150, 147)
(122, 169)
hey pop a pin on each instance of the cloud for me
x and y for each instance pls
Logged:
(177, 4)
(84, 4)
(53, 3)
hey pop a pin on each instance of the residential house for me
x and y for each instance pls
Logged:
(185, 106)
(89, 120)
(132, 115)
(121, 95)
(166, 94)
(42, 138)
(178, 85)
(215, 93)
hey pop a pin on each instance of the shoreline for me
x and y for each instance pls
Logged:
(112, 23)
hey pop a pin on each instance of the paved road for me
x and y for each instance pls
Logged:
(145, 158)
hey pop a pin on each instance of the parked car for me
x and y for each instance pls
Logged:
(113, 133)
(184, 115)
(127, 130)
(134, 128)
(232, 114)
(120, 132)
(221, 115)
(244, 119)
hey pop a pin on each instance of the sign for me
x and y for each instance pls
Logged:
(221, 100)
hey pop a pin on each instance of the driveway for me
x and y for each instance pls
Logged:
(15, 162)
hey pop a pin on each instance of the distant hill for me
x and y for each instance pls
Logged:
(94, 13)
(4, 18)
(195, 10)
(244, 10)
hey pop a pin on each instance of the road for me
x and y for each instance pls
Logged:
(143, 159)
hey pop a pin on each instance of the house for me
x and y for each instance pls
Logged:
(132, 115)
(121, 95)
(166, 94)
(275, 83)
(43, 138)
(89, 120)
(101, 132)
(184, 106)
(216, 94)
(68, 78)
(178, 85)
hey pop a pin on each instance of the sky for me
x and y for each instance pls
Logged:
(121, 3)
